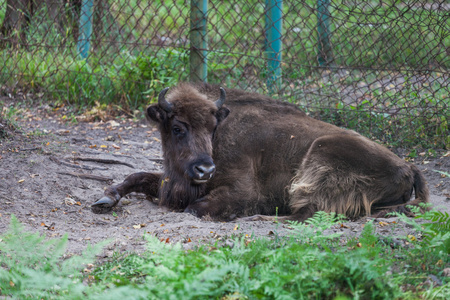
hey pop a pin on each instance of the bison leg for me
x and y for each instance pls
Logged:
(352, 176)
(224, 203)
(142, 182)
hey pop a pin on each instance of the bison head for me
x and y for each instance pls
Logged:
(187, 120)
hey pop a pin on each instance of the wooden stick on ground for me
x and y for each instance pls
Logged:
(59, 162)
(103, 160)
(87, 176)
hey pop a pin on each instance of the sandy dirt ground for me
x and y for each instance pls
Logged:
(43, 183)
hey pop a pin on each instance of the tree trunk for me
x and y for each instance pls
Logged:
(17, 17)
(19, 13)
(55, 12)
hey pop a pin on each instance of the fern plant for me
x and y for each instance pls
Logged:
(313, 229)
(31, 266)
(435, 232)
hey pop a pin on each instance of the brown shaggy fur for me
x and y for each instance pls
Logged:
(270, 157)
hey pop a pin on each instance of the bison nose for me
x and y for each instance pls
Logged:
(203, 172)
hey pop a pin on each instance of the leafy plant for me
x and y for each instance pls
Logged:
(436, 232)
(32, 265)
(313, 230)
(289, 267)
(447, 174)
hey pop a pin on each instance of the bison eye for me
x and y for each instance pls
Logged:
(177, 130)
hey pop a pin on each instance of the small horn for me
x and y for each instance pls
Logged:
(163, 102)
(221, 99)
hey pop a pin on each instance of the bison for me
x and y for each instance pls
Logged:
(246, 154)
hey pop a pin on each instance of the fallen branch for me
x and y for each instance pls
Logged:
(104, 161)
(59, 162)
(157, 160)
(30, 149)
(87, 176)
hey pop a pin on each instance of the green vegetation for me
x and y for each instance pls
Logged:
(126, 80)
(421, 121)
(2, 10)
(307, 265)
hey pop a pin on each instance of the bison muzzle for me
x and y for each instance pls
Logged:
(230, 153)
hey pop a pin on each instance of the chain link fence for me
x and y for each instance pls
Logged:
(379, 67)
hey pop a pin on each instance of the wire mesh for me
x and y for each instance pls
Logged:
(385, 71)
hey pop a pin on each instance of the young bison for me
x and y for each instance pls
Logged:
(257, 156)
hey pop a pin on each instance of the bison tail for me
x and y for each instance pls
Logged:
(420, 187)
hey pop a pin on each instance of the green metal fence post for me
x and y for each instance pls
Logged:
(199, 43)
(84, 38)
(323, 29)
(273, 43)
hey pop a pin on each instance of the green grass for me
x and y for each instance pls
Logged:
(129, 80)
(306, 265)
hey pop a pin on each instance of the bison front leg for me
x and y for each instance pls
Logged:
(141, 182)
(223, 203)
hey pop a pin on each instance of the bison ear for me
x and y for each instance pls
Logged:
(222, 113)
(155, 114)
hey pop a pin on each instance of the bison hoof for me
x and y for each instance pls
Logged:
(103, 205)
(191, 211)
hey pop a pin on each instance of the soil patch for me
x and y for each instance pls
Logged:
(48, 186)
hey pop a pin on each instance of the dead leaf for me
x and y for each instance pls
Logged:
(103, 146)
(21, 180)
(113, 123)
(137, 226)
(411, 237)
(93, 146)
(54, 209)
(49, 227)
(383, 224)
(115, 146)
(156, 139)
(271, 232)
(11, 283)
(69, 201)
(62, 132)
(189, 240)
(162, 225)
(236, 227)
(358, 245)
